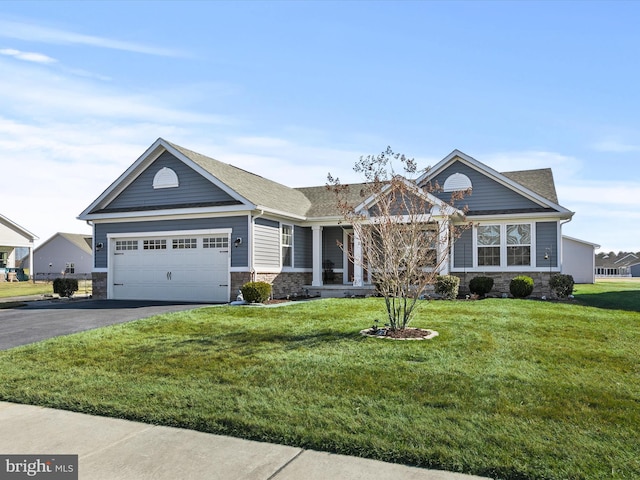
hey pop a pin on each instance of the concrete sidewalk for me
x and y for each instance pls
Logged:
(113, 449)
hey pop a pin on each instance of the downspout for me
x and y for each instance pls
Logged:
(252, 251)
(560, 249)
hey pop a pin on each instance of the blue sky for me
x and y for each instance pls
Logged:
(294, 90)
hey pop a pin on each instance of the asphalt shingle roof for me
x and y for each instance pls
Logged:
(320, 201)
(258, 190)
(539, 181)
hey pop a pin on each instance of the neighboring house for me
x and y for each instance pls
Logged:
(609, 265)
(178, 225)
(12, 238)
(68, 254)
(578, 259)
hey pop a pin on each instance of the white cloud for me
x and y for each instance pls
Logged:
(38, 33)
(27, 56)
(563, 166)
(615, 146)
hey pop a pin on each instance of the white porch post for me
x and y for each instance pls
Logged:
(32, 270)
(443, 246)
(316, 245)
(357, 264)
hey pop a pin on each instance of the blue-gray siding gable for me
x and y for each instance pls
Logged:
(487, 194)
(238, 224)
(193, 189)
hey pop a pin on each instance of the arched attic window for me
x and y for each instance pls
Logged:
(456, 183)
(165, 178)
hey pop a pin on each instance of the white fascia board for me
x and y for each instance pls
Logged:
(146, 159)
(491, 173)
(177, 213)
(279, 213)
(517, 216)
(179, 216)
(126, 178)
(21, 230)
(591, 244)
(333, 221)
(171, 233)
(413, 187)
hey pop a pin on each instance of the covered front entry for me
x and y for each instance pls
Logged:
(172, 266)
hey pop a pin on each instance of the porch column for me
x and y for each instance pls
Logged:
(316, 246)
(357, 264)
(443, 247)
(32, 270)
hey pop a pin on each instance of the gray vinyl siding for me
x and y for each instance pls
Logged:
(302, 247)
(267, 243)
(546, 239)
(463, 250)
(239, 226)
(58, 252)
(330, 249)
(487, 194)
(193, 188)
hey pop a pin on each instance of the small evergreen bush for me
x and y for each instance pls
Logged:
(561, 285)
(65, 287)
(256, 292)
(481, 285)
(447, 286)
(521, 286)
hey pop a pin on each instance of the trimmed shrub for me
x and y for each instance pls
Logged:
(256, 292)
(447, 286)
(521, 286)
(481, 285)
(561, 285)
(65, 287)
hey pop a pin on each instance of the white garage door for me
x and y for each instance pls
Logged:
(175, 268)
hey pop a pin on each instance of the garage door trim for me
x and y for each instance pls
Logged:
(113, 237)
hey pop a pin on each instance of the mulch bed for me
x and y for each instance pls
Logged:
(404, 334)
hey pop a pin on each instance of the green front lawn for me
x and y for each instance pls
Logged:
(19, 289)
(515, 389)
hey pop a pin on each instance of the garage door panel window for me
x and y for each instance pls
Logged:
(122, 245)
(215, 242)
(154, 244)
(182, 243)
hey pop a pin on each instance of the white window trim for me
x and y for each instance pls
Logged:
(287, 268)
(503, 248)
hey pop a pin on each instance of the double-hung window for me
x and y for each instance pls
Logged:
(504, 245)
(488, 245)
(519, 244)
(287, 245)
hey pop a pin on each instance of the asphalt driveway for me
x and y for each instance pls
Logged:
(47, 319)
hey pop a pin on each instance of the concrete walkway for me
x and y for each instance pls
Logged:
(113, 449)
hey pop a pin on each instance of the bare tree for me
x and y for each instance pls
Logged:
(405, 231)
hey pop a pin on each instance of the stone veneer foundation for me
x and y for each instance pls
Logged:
(501, 282)
(99, 285)
(282, 283)
(288, 283)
